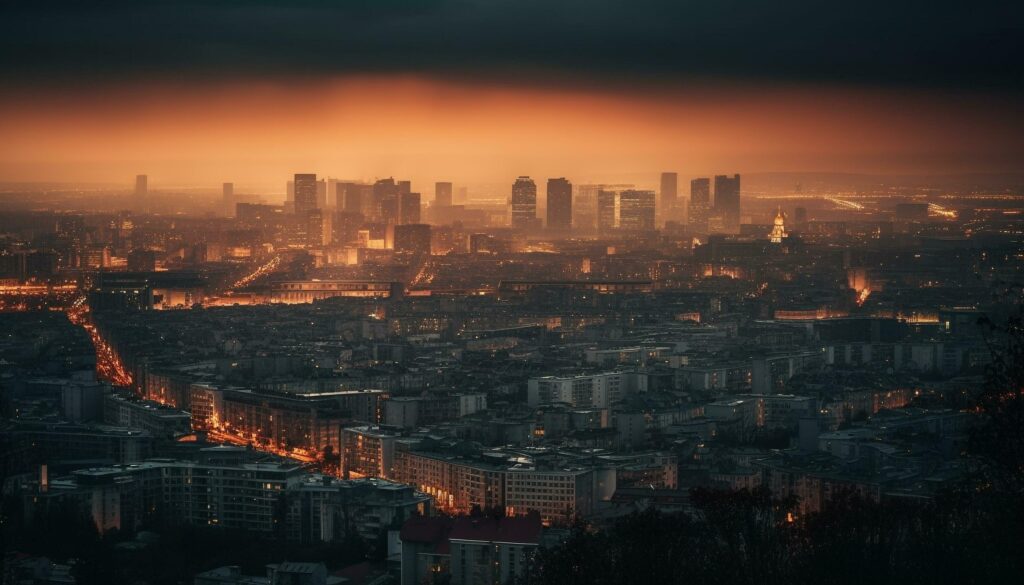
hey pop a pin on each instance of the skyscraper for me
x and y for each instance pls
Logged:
(559, 204)
(700, 204)
(321, 194)
(524, 203)
(408, 208)
(669, 194)
(142, 191)
(636, 210)
(305, 192)
(228, 198)
(388, 211)
(607, 210)
(385, 201)
(442, 194)
(319, 229)
(353, 197)
(727, 201)
(347, 197)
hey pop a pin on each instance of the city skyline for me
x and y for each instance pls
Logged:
(201, 135)
(469, 292)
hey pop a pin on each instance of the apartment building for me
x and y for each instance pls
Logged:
(585, 390)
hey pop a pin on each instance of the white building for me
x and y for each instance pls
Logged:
(585, 390)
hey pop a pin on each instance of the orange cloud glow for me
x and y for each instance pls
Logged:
(257, 134)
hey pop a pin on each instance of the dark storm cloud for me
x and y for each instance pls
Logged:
(970, 45)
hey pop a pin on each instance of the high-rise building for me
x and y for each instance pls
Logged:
(355, 198)
(607, 210)
(413, 238)
(347, 197)
(332, 192)
(228, 197)
(559, 204)
(321, 194)
(636, 210)
(319, 229)
(388, 211)
(669, 194)
(142, 191)
(727, 201)
(524, 203)
(305, 189)
(385, 201)
(442, 194)
(408, 208)
(700, 204)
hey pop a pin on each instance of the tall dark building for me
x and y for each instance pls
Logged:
(305, 192)
(228, 197)
(669, 195)
(524, 203)
(355, 198)
(408, 208)
(700, 204)
(559, 204)
(636, 210)
(142, 191)
(607, 210)
(388, 212)
(319, 230)
(321, 194)
(385, 201)
(413, 238)
(442, 194)
(347, 197)
(727, 201)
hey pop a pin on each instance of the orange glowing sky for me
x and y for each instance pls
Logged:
(258, 133)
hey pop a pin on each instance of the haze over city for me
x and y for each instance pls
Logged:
(197, 93)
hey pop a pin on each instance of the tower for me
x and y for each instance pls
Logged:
(700, 204)
(607, 210)
(524, 203)
(779, 229)
(408, 208)
(669, 195)
(228, 197)
(442, 194)
(727, 201)
(305, 192)
(559, 204)
(142, 192)
(636, 210)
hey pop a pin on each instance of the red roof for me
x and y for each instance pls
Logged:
(519, 530)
